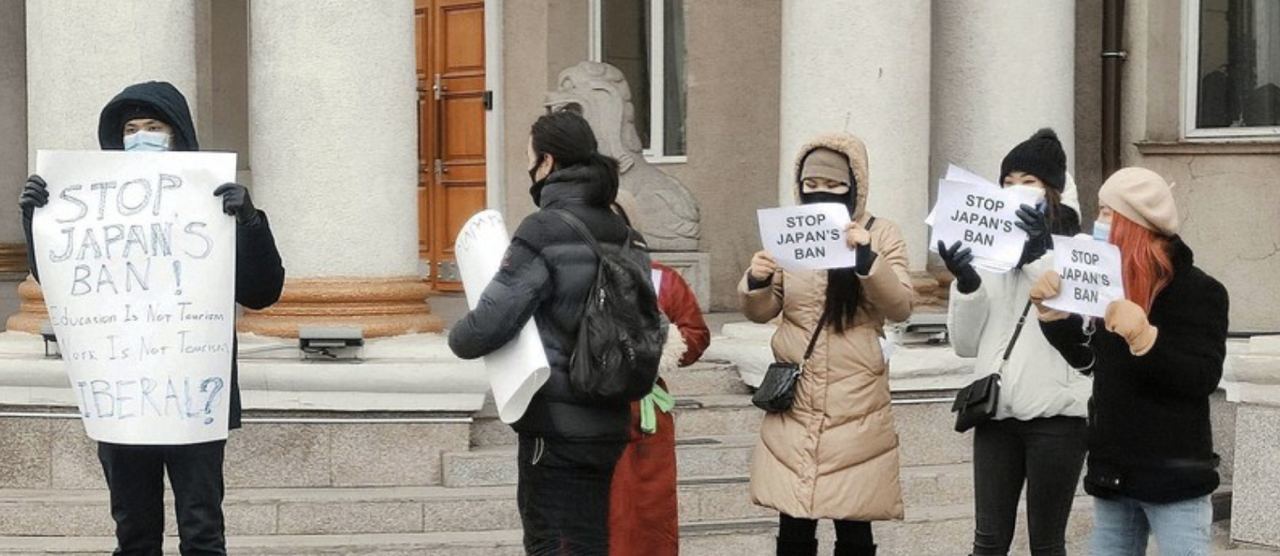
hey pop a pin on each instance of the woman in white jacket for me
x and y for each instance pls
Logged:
(1038, 436)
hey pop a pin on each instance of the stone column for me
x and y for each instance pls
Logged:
(1001, 70)
(333, 140)
(79, 54)
(862, 66)
(13, 151)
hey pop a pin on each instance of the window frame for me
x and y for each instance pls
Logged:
(657, 75)
(1191, 89)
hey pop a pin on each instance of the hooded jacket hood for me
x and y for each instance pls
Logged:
(165, 100)
(850, 146)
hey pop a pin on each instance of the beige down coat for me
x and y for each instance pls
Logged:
(835, 453)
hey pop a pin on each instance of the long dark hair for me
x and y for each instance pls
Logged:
(567, 137)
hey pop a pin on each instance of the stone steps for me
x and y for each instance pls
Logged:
(715, 459)
(706, 377)
(939, 531)
(924, 421)
(307, 511)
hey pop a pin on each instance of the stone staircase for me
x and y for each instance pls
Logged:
(444, 484)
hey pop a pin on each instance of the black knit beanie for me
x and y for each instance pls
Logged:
(1041, 156)
(141, 111)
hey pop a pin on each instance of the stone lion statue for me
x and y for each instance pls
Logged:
(600, 93)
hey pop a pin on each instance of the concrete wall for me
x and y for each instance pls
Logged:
(13, 115)
(733, 115)
(1088, 115)
(1226, 192)
(225, 107)
(733, 76)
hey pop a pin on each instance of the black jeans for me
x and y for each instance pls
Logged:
(1047, 454)
(563, 495)
(135, 475)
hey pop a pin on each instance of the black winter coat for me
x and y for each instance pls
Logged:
(1149, 433)
(259, 270)
(546, 274)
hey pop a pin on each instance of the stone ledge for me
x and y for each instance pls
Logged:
(404, 373)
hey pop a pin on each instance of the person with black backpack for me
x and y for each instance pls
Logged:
(582, 274)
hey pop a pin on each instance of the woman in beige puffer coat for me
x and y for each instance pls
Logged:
(834, 454)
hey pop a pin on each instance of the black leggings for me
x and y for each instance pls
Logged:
(795, 529)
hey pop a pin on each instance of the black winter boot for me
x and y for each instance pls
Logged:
(798, 548)
(849, 549)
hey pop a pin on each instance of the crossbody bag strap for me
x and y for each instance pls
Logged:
(1017, 331)
(813, 340)
(580, 228)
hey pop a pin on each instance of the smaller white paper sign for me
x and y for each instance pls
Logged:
(1091, 275)
(519, 369)
(807, 237)
(983, 219)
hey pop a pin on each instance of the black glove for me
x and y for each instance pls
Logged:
(865, 257)
(34, 194)
(236, 202)
(959, 261)
(1037, 227)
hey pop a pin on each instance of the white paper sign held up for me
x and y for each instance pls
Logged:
(137, 266)
(519, 369)
(1091, 275)
(983, 220)
(807, 237)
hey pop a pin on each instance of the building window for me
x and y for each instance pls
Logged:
(645, 39)
(1233, 68)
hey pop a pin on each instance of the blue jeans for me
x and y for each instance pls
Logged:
(1121, 527)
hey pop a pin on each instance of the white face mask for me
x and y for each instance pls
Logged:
(147, 141)
(1036, 191)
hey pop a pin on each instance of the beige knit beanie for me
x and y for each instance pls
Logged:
(826, 163)
(1143, 197)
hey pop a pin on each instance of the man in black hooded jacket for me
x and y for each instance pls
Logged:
(154, 116)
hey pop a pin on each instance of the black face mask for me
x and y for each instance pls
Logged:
(824, 197)
(535, 190)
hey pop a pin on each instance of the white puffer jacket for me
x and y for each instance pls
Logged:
(1037, 381)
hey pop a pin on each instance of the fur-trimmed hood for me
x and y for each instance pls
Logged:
(853, 148)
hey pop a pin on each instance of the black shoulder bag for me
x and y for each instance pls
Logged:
(976, 403)
(778, 389)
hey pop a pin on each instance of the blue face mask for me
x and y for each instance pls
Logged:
(1102, 231)
(147, 141)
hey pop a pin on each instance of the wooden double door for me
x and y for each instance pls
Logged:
(452, 102)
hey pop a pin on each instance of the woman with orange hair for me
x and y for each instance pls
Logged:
(1155, 359)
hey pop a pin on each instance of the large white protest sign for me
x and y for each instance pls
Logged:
(983, 219)
(1090, 272)
(807, 237)
(956, 173)
(137, 266)
(520, 368)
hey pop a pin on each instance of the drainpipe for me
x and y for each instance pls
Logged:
(1113, 55)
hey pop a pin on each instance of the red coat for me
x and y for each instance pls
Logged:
(678, 302)
(643, 509)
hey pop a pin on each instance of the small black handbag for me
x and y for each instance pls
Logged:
(977, 403)
(778, 389)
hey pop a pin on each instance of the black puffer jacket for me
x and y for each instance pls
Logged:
(1149, 433)
(546, 274)
(259, 270)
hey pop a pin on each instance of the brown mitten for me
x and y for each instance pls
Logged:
(1047, 287)
(1127, 319)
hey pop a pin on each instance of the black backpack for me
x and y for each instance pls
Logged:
(621, 332)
